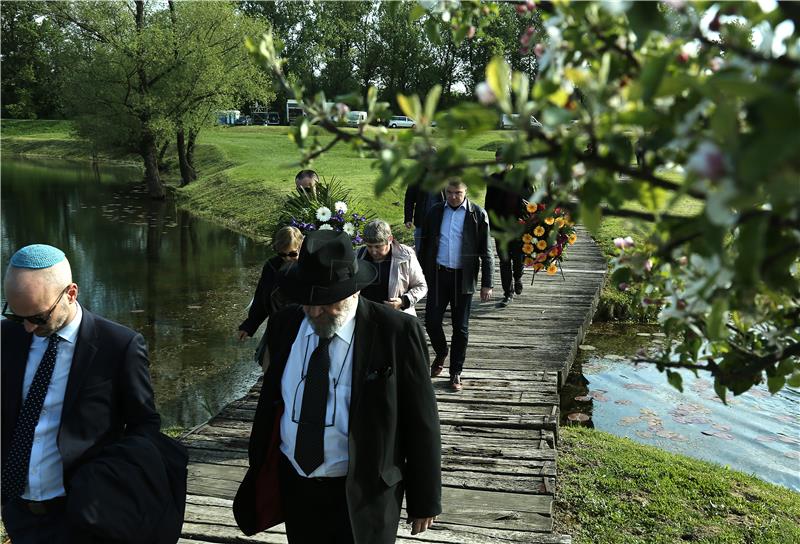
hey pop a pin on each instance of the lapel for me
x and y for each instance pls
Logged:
(16, 344)
(362, 350)
(85, 351)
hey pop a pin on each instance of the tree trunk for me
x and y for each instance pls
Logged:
(186, 175)
(190, 153)
(161, 152)
(151, 176)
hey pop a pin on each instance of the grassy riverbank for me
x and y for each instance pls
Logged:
(613, 490)
(246, 172)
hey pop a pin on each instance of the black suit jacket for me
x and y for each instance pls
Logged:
(394, 438)
(108, 390)
(476, 247)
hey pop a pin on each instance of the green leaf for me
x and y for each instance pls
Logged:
(750, 244)
(645, 17)
(431, 101)
(775, 383)
(590, 216)
(794, 379)
(416, 13)
(675, 380)
(372, 98)
(406, 104)
(650, 80)
(432, 31)
(717, 319)
(720, 390)
(724, 123)
(498, 76)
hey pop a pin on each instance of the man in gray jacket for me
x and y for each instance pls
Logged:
(455, 245)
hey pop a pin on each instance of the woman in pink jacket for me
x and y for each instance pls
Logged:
(400, 282)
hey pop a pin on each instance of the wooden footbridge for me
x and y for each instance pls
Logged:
(499, 435)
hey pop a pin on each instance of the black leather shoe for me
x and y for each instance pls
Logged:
(518, 287)
(455, 382)
(437, 367)
(506, 301)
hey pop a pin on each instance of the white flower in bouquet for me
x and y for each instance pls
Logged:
(323, 213)
(348, 228)
(325, 226)
(340, 206)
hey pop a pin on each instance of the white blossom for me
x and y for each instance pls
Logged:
(340, 206)
(348, 228)
(323, 213)
(325, 226)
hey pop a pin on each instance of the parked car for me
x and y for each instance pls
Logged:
(401, 121)
(356, 118)
(244, 120)
(510, 121)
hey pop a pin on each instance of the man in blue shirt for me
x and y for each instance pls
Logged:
(455, 245)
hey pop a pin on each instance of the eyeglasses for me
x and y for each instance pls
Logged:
(38, 319)
(291, 254)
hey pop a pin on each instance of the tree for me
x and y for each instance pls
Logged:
(32, 49)
(713, 91)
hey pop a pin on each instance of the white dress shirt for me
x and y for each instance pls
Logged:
(450, 235)
(337, 411)
(46, 471)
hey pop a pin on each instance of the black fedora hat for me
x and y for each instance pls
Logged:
(326, 271)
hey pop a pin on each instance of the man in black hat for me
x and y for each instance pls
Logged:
(347, 419)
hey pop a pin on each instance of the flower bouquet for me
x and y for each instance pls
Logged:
(331, 208)
(546, 237)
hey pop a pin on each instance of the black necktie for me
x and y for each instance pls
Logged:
(15, 470)
(310, 444)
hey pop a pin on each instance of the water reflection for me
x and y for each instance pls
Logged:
(179, 280)
(756, 432)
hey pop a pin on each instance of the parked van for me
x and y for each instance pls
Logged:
(509, 121)
(356, 118)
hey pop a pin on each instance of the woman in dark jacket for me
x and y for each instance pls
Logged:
(268, 298)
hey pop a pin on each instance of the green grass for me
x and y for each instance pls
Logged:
(613, 490)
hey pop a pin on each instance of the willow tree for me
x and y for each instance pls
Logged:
(709, 89)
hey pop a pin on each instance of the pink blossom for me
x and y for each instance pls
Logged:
(623, 243)
(538, 50)
(623, 286)
(342, 109)
(485, 94)
(707, 162)
(648, 265)
(471, 32)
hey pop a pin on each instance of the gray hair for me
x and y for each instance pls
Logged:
(377, 231)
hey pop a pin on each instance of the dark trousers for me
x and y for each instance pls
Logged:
(25, 527)
(315, 508)
(510, 262)
(446, 289)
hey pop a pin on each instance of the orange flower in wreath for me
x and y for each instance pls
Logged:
(537, 267)
(538, 231)
(552, 269)
(560, 222)
(528, 261)
(554, 252)
(527, 238)
(541, 245)
(531, 207)
(572, 238)
(527, 248)
(549, 220)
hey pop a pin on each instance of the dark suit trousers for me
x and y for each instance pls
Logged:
(25, 527)
(446, 289)
(510, 264)
(315, 508)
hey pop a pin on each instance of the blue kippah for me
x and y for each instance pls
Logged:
(37, 256)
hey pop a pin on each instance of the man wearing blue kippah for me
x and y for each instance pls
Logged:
(73, 383)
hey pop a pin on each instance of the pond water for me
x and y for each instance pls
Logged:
(756, 432)
(181, 281)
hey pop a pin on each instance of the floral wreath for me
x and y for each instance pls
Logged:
(546, 237)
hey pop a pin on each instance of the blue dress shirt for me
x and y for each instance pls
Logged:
(46, 471)
(450, 235)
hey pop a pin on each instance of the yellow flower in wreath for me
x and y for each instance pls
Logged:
(538, 231)
(553, 252)
(537, 267)
(549, 220)
(531, 207)
(527, 248)
(572, 238)
(528, 261)
(552, 269)
(527, 238)
(541, 244)
(560, 222)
